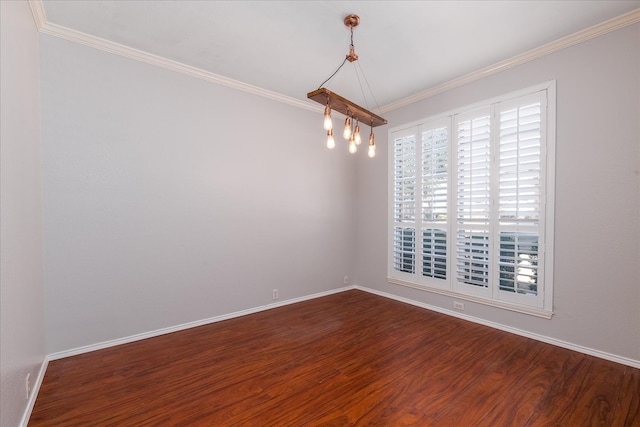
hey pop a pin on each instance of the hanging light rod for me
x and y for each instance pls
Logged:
(355, 113)
(344, 106)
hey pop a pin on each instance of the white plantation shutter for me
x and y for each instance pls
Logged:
(471, 203)
(434, 175)
(434, 209)
(404, 249)
(434, 253)
(404, 203)
(405, 170)
(473, 198)
(519, 168)
(520, 210)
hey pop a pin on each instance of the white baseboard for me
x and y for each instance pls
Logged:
(158, 332)
(564, 344)
(93, 347)
(560, 343)
(34, 392)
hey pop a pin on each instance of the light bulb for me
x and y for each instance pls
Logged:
(327, 118)
(331, 143)
(352, 144)
(357, 135)
(352, 147)
(372, 145)
(347, 128)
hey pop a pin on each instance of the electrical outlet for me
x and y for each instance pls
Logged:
(345, 280)
(28, 384)
(275, 294)
(458, 305)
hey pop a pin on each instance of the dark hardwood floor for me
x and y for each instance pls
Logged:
(347, 359)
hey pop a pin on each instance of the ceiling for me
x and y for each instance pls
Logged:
(291, 47)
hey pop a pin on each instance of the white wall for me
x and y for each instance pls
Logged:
(22, 344)
(169, 199)
(597, 243)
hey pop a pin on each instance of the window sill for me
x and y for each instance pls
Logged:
(533, 311)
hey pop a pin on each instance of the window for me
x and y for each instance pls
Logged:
(471, 208)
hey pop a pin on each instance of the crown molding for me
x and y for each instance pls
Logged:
(617, 23)
(37, 10)
(46, 27)
(79, 37)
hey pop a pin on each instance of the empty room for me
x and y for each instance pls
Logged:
(320, 213)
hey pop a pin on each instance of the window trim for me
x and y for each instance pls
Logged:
(545, 307)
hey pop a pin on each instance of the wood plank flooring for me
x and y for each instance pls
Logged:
(349, 359)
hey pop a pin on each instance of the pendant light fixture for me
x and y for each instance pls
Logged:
(354, 113)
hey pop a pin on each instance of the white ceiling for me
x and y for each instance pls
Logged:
(290, 47)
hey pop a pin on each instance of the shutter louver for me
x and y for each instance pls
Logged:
(519, 205)
(434, 202)
(434, 253)
(405, 179)
(404, 201)
(404, 249)
(519, 200)
(434, 175)
(519, 262)
(473, 200)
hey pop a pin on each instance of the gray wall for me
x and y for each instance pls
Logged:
(168, 199)
(22, 341)
(597, 223)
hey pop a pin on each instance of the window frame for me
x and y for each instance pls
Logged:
(492, 296)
